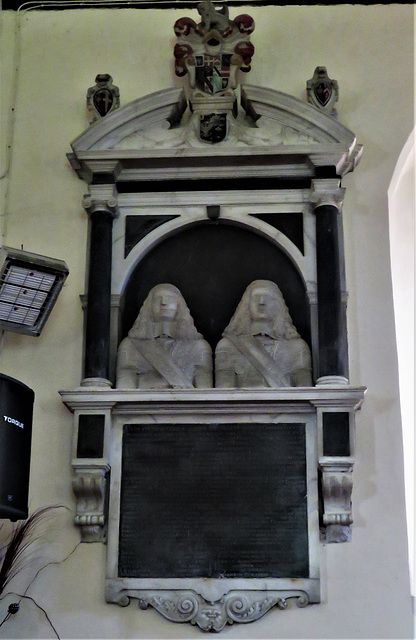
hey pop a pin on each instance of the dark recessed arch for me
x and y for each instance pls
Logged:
(212, 264)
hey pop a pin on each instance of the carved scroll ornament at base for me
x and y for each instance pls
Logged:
(163, 349)
(261, 347)
(235, 606)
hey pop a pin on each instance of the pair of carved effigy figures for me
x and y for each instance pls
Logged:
(260, 346)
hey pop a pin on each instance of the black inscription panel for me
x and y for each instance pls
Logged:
(213, 501)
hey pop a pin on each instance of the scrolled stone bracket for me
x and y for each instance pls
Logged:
(326, 192)
(89, 484)
(337, 483)
(240, 606)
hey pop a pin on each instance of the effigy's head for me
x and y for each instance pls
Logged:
(164, 304)
(262, 302)
(165, 300)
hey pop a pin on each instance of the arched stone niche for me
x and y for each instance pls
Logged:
(265, 203)
(212, 264)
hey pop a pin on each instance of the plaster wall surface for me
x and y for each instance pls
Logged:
(369, 50)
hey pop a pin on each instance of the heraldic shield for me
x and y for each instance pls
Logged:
(323, 92)
(212, 73)
(213, 127)
(103, 101)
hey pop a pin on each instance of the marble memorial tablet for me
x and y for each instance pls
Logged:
(215, 500)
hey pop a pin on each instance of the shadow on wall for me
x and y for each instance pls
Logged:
(402, 216)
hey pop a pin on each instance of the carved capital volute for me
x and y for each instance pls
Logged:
(327, 192)
(103, 204)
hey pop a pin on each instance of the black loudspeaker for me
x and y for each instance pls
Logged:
(16, 413)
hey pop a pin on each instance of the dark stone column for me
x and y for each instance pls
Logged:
(97, 335)
(332, 329)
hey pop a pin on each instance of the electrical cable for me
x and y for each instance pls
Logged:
(14, 607)
(22, 596)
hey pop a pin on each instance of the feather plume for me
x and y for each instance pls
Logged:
(13, 555)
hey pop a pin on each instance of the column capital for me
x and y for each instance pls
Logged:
(327, 191)
(101, 198)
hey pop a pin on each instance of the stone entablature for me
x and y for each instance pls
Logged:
(276, 135)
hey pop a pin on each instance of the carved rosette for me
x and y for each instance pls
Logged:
(235, 606)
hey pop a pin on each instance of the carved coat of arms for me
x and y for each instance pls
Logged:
(322, 91)
(211, 53)
(103, 98)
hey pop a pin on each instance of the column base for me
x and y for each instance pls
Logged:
(332, 381)
(96, 383)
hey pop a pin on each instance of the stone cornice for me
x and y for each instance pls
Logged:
(213, 400)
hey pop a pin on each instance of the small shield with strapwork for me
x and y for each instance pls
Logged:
(103, 98)
(322, 91)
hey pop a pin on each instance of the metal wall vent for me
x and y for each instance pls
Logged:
(29, 287)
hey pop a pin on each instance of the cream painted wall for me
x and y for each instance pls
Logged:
(369, 50)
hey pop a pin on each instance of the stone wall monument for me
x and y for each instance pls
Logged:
(214, 501)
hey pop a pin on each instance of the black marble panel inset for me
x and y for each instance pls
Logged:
(217, 500)
(212, 263)
(90, 436)
(97, 329)
(291, 224)
(137, 227)
(219, 184)
(336, 433)
(333, 343)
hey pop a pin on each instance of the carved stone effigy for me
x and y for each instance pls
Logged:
(261, 347)
(163, 349)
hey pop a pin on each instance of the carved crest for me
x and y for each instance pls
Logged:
(322, 91)
(103, 98)
(211, 53)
